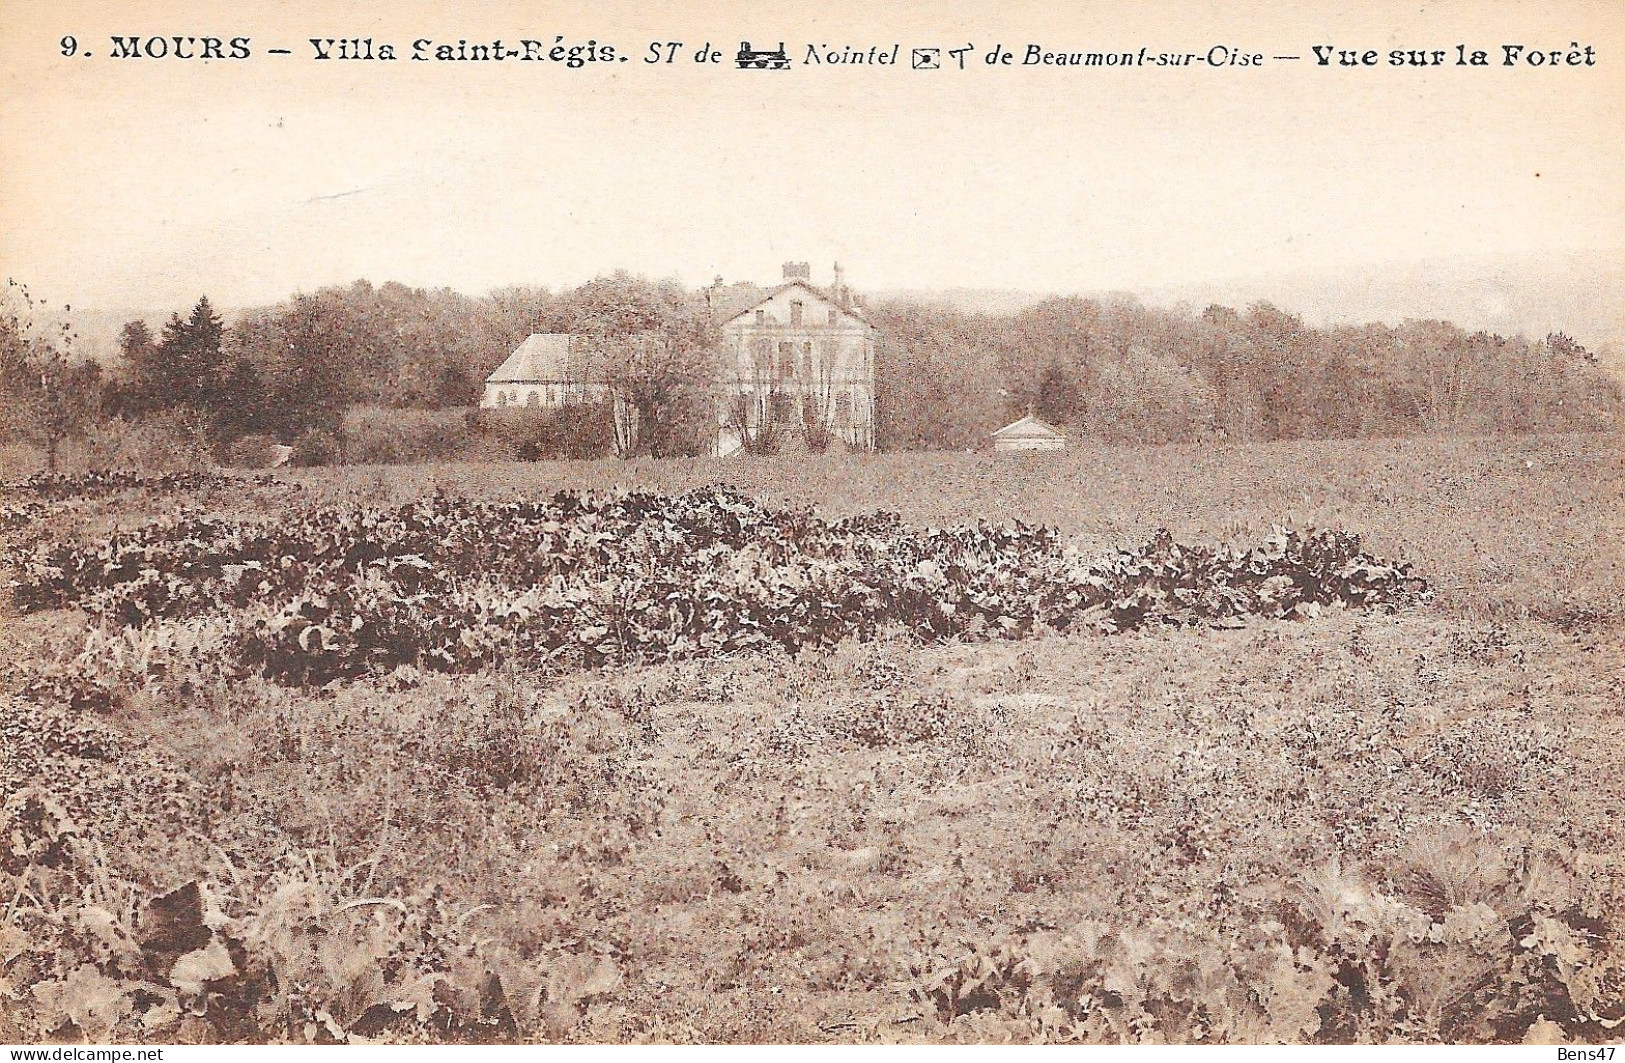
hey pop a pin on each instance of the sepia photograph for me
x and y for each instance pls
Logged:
(819, 523)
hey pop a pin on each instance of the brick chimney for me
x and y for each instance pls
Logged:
(797, 271)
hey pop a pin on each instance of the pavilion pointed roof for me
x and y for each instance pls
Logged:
(1030, 426)
(544, 357)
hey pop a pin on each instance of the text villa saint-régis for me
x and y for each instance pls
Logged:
(556, 50)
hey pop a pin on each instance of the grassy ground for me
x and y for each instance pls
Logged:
(1507, 526)
(1355, 828)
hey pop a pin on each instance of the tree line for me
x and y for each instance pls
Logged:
(1118, 370)
(1106, 368)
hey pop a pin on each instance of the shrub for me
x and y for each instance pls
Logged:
(317, 447)
(253, 451)
(155, 444)
(574, 432)
(377, 436)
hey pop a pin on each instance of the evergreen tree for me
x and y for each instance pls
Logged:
(1058, 400)
(244, 401)
(194, 360)
(184, 370)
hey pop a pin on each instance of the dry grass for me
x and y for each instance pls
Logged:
(1507, 525)
(1173, 834)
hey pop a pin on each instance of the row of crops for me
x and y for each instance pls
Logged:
(35, 501)
(580, 580)
(60, 487)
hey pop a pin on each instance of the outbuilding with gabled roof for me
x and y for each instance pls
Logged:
(548, 369)
(1030, 433)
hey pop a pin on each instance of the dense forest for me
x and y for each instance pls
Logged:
(391, 373)
(1121, 371)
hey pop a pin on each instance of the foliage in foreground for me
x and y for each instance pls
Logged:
(902, 862)
(1363, 827)
(458, 586)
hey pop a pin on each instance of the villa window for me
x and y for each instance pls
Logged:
(795, 314)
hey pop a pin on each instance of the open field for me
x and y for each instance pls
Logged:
(1368, 825)
(1505, 525)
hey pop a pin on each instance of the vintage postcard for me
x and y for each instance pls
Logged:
(832, 523)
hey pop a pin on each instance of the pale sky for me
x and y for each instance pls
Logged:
(139, 182)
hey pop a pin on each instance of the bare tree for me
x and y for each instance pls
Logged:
(750, 410)
(818, 386)
(654, 354)
(46, 397)
(1441, 372)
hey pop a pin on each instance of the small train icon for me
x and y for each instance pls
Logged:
(748, 59)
